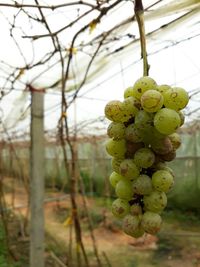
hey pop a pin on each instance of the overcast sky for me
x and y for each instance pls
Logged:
(178, 65)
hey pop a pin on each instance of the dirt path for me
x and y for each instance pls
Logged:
(109, 239)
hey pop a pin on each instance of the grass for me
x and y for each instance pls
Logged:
(188, 216)
(5, 259)
(167, 247)
(130, 257)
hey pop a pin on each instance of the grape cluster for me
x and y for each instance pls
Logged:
(142, 139)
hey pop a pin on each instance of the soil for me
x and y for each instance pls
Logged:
(109, 238)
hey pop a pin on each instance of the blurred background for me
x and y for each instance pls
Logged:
(80, 55)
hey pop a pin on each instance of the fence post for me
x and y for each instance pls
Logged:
(37, 179)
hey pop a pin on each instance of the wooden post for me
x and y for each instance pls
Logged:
(37, 180)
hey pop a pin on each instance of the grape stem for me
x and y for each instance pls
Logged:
(139, 14)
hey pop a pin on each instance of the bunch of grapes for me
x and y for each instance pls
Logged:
(142, 139)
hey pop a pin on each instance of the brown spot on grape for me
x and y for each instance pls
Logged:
(174, 95)
(137, 105)
(120, 210)
(139, 90)
(123, 171)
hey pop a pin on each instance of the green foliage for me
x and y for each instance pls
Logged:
(168, 246)
(96, 217)
(3, 249)
(55, 175)
(133, 263)
(95, 183)
(4, 256)
(104, 202)
(186, 191)
(53, 245)
(186, 219)
(86, 180)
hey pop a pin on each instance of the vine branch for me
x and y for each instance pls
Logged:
(139, 14)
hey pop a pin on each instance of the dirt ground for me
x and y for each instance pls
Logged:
(109, 238)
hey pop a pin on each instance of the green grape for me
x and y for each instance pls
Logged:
(175, 140)
(130, 224)
(128, 92)
(156, 134)
(131, 148)
(157, 160)
(115, 178)
(142, 85)
(176, 98)
(163, 88)
(144, 157)
(149, 135)
(182, 117)
(168, 169)
(152, 101)
(155, 202)
(145, 128)
(163, 166)
(116, 130)
(129, 169)
(158, 166)
(151, 222)
(120, 208)
(130, 107)
(123, 189)
(116, 148)
(132, 134)
(115, 163)
(113, 111)
(142, 185)
(162, 146)
(167, 121)
(169, 156)
(135, 209)
(143, 119)
(162, 180)
(139, 232)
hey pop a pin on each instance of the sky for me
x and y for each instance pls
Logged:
(177, 65)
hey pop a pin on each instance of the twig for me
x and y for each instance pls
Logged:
(35, 37)
(87, 70)
(107, 259)
(139, 14)
(52, 7)
(90, 224)
(53, 255)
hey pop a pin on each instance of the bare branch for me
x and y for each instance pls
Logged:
(52, 7)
